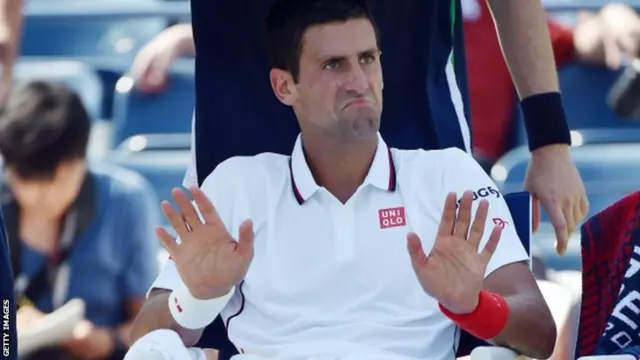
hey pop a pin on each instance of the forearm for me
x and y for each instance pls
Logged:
(154, 315)
(530, 329)
(11, 15)
(184, 33)
(524, 36)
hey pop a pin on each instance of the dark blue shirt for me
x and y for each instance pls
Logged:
(237, 113)
(114, 258)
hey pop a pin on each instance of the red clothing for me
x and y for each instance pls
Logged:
(492, 95)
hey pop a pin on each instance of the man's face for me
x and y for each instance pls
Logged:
(49, 198)
(339, 88)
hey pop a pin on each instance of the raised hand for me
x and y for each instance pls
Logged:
(209, 260)
(453, 273)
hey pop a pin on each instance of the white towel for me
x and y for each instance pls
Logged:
(163, 344)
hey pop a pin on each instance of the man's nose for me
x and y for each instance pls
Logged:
(358, 81)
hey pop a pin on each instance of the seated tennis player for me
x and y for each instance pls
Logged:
(347, 249)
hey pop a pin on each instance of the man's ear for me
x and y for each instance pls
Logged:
(283, 86)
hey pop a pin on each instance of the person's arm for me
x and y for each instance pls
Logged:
(154, 60)
(155, 313)
(10, 35)
(524, 36)
(530, 328)
(552, 177)
(11, 19)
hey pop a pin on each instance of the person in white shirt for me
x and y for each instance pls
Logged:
(344, 249)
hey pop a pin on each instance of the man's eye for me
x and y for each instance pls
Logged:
(367, 59)
(330, 65)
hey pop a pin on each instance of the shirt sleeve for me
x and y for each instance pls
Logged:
(462, 173)
(191, 175)
(219, 189)
(142, 216)
(562, 42)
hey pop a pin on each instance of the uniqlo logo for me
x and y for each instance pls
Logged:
(175, 300)
(392, 217)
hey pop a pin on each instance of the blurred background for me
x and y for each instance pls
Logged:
(131, 63)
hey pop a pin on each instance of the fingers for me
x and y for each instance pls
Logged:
(559, 225)
(570, 218)
(448, 220)
(414, 245)
(584, 207)
(208, 211)
(245, 238)
(168, 242)
(175, 220)
(535, 216)
(477, 229)
(187, 211)
(492, 244)
(463, 219)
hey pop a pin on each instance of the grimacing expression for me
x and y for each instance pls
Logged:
(339, 88)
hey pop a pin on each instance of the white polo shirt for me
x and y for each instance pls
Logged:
(335, 279)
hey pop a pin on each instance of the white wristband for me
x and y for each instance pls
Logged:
(192, 313)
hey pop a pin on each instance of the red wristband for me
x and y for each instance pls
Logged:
(487, 320)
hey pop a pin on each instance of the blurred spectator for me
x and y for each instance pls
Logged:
(154, 60)
(75, 231)
(10, 30)
(601, 38)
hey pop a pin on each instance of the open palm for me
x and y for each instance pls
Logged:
(209, 260)
(453, 273)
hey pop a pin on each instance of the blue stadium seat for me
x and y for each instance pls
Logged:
(167, 112)
(87, 28)
(77, 75)
(164, 169)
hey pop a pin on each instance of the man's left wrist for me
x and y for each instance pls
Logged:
(462, 307)
(545, 120)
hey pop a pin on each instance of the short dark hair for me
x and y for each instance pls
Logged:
(42, 124)
(289, 19)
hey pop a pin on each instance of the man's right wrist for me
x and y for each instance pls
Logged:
(209, 294)
(193, 313)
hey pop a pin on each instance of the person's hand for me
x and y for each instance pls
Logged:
(27, 315)
(153, 61)
(89, 342)
(620, 33)
(209, 260)
(453, 273)
(553, 180)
